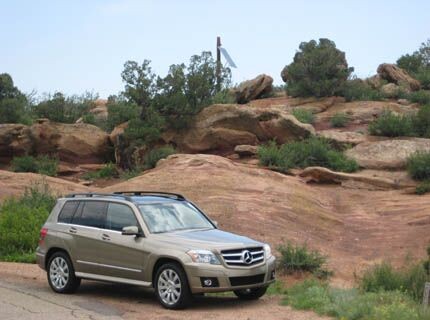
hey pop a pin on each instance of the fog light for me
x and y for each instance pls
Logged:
(272, 275)
(209, 282)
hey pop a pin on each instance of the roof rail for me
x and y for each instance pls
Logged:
(152, 193)
(94, 194)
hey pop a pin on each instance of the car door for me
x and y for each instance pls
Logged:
(86, 228)
(120, 255)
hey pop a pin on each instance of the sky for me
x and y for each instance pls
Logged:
(77, 46)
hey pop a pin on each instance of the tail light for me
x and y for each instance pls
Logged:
(43, 233)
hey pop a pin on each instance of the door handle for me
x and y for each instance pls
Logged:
(105, 237)
(73, 230)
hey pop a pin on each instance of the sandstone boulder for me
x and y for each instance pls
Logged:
(253, 89)
(390, 90)
(15, 140)
(394, 74)
(375, 81)
(387, 154)
(222, 127)
(341, 139)
(245, 150)
(100, 111)
(77, 143)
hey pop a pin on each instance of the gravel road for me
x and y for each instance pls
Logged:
(25, 294)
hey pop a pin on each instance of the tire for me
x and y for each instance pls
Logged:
(61, 274)
(171, 286)
(250, 294)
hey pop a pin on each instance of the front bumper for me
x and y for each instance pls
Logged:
(196, 272)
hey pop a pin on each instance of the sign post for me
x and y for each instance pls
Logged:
(426, 297)
(218, 64)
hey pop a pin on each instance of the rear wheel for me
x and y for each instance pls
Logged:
(251, 294)
(171, 286)
(61, 274)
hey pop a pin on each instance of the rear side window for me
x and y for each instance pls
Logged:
(119, 216)
(67, 212)
(92, 214)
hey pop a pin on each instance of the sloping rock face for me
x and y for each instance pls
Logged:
(77, 143)
(387, 154)
(222, 127)
(14, 184)
(253, 89)
(354, 228)
(343, 139)
(356, 180)
(394, 74)
(15, 140)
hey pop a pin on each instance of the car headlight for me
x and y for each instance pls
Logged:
(203, 256)
(267, 251)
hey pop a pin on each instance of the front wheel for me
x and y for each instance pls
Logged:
(171, 286)
(250, 294)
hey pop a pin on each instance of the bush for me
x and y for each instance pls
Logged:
(42, 164)
(418, 166)
(300, 258)
(303, 115)
(420, 96)
(339, 120)
(319, 69)
(120, 111)
(20, 222)
(152, 157)
(350, 304)
(409, 280)
(302, 154)
(423, 187)
(108, 171)
(389, 124)
(12, 101)
(421, 122)
(59, 108)
(357, 89)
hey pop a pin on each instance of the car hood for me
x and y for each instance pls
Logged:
(213, 239)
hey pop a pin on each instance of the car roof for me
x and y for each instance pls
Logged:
(139, 197)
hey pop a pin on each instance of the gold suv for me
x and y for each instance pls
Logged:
(151, 239)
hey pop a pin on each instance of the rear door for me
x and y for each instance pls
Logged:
(86, 227)
(120, 255)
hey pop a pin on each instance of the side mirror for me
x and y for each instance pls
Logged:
(215, 223)
(130, 231)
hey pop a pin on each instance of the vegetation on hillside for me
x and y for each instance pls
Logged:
(42, 164)
(303, 115)
(20, 222)
(306, 153)
(319, 69)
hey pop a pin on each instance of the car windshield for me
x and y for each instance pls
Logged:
(173, 216)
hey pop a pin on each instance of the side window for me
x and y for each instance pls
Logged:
(119, 216)
(68, 211)
(92, 214)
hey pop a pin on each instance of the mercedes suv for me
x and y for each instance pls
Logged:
(151, 239)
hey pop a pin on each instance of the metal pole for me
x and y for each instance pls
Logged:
(426, 297)
(218, 64)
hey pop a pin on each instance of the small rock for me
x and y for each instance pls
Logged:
(245, 150)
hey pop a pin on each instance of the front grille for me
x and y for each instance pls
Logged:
(244, 281)
(243, 257)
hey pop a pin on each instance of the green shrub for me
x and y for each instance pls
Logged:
(300, 258)
(409, 280)
(318, 69)
(339, 120)
(224, 97)
(60, 108)
(350, 304)
(358, 89)
(20, 222)
(418, 165)
(389, 124)
(120, 111)
(42, 164)
(303, 115)
(89, 118)
(423, 76)
(423, 187)
(420, 96)
(152, 157)
(108, 171)
(301, 154)
(421, 122)
(12, 102)
(131, 173)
